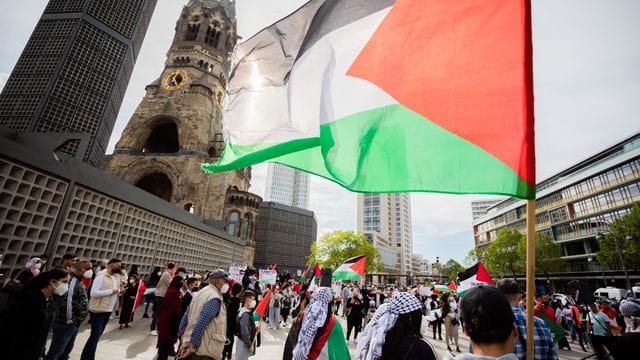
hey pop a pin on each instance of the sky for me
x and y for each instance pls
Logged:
(587, 98)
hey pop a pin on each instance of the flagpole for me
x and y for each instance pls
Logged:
(531, 273)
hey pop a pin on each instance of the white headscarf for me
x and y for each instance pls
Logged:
(315, 315)
(372, 340)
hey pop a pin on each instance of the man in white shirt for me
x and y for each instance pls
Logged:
(104, 293)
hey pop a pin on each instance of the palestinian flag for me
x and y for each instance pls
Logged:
(475, 275)
(389, 96)
(330, 344)
(352, 269)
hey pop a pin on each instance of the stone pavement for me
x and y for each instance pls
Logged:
(136, 342)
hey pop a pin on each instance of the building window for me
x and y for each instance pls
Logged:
(192, 31)
(213, 34)
(233, 218)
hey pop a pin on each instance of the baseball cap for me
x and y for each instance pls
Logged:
(509, 286)
(219, 274)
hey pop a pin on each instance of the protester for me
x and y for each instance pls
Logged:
(68, 260)
(600, 329)
(316, 330)
(435, 316)
(626, 346)
(542, 339)
(161, 290)
(246, 328)
(193, 285)
(233, 306)
(489, 323)
(24, 327)
(275, 302)
(449, 314)
(203, 328)
(128, 302)
(169, 319)
(150, 283)
(394, 332)
(285, 307)
(355, 310)
(579, 326)
(104, 292)
(72, 309)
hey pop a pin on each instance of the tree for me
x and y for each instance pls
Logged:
(548, 254)
(334, 248)
(451, 269)
(627, 231)
(502, 256)
(473, 257)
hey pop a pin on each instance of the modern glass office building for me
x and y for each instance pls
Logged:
(575, 206)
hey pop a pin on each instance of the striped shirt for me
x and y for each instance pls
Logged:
(542, 340)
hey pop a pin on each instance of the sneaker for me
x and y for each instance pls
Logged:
(154, 332)
(111, 317)
(145, 316)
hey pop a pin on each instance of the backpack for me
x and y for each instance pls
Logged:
(286, 302)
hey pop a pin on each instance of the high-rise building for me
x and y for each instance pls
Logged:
(389, 216)
(287, 186)
(284, 236)
(73, 72)
(479, 207)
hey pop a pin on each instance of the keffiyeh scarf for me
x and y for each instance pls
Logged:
(372, 340)
(315, 315)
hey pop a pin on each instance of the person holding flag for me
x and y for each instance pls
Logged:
(128, 301)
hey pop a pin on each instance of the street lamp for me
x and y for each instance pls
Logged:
(599, 237)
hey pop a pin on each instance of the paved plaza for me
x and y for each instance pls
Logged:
(136, 342)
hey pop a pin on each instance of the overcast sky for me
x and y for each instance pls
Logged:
(587, 90)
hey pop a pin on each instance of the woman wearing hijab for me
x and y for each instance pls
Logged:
(169, 319)
(315, 331)
(355, 314)
(394, 332)
(128, 300)
(24, 327)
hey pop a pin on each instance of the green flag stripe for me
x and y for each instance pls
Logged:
(389, 149)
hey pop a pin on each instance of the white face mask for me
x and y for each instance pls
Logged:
(253, 304)
(159, 273)
(88, 274)
(224, 288)
(61, 289)
(131, 281)
(37, 266)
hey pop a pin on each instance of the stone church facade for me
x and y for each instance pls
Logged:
(177, 126)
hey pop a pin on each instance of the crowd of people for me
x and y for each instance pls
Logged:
(211, 316)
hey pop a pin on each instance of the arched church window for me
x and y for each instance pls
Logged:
(157, 184)
(192, 31)
(233, 218)
(244, 229)
(214, 32)
(163, 139)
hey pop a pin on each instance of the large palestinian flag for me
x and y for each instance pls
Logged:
(389, 96)
(330, 343)
(352, 269)
(473, 276)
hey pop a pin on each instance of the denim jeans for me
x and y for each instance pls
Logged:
(98, 323)
(274, 316)
(62, 341)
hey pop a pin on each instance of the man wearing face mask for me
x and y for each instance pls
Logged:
(71, 310)
(203, 328)
(246, 327)
(104, 292)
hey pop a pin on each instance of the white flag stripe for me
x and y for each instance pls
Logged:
(316, 91)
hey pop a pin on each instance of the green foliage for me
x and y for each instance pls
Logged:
(548, 254)
(502, 256)
(451, 269)
(620, 229)
(474, 255)
(334, 248)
